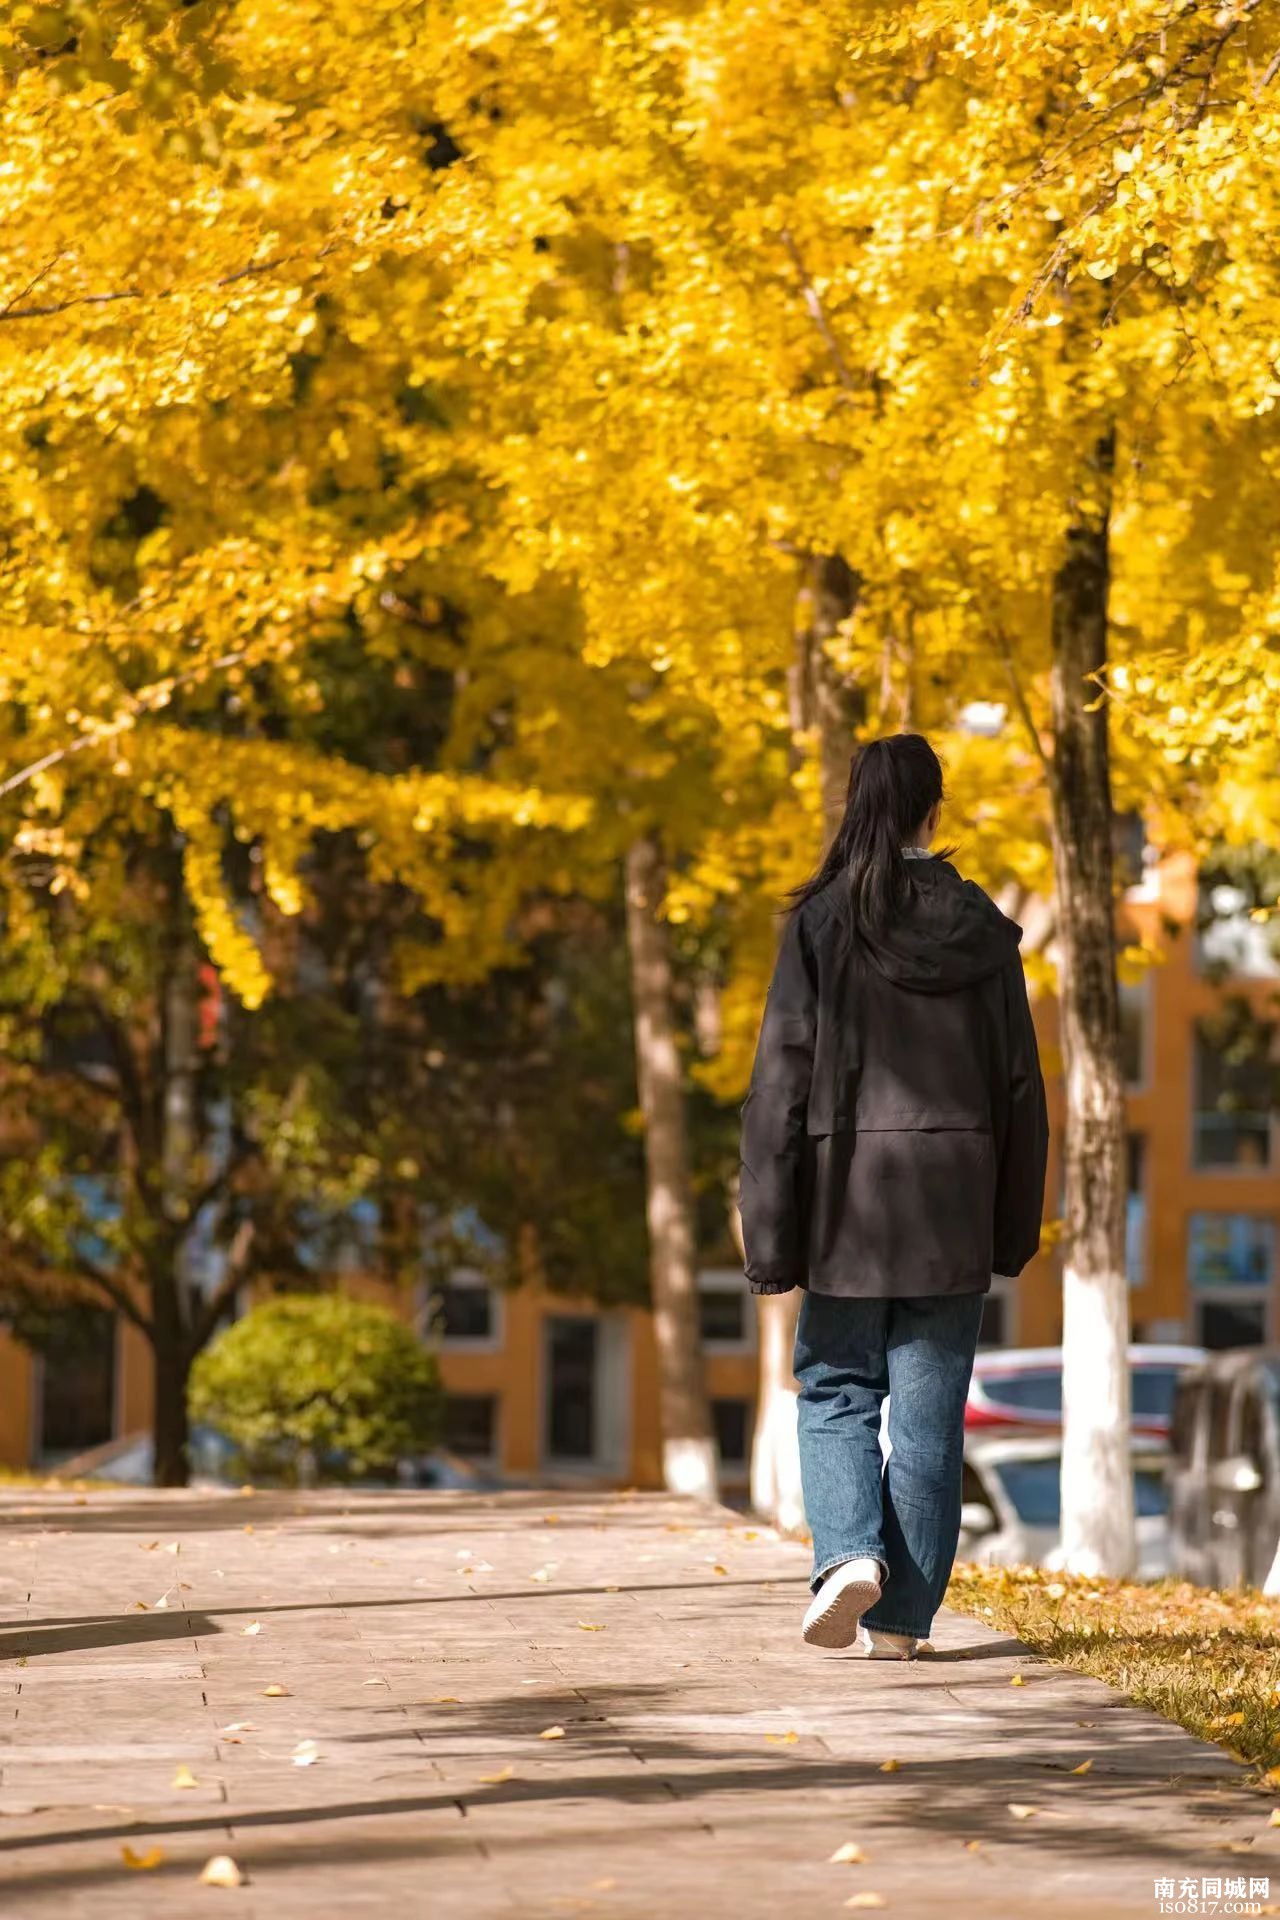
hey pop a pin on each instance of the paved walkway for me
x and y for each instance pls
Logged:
(429, 1646)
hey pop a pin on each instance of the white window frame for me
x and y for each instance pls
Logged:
(729, 1280)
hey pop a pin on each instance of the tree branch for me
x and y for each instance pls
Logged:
(216, 1303)
(818, 313)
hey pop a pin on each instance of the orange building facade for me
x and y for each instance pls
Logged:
(545, 1387)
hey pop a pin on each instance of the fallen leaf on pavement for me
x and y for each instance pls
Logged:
(373, 1683)
(221, 1871)
(1274, 1821)
(591, 1626)
(306, 1753)
(552, 1733)
(1017, 1681)
(717, 1568)
(174, 1546)
(866, 1900)
(1086, 1723)
(1083, 1767)
(142, 1862)
(445, 1700)
(1021, 1811)
(254, 1626)
(973, 1846)
(551, 1519)
(234, 1727)
(275, 1691)
(497, 1779)
(184, 1778)
(782, 1739)
(543, 1573)
(141, 1606)
(890, 1766)
(850, 1854)
(148, 1546)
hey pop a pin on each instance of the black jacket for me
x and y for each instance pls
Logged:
(894, 1137)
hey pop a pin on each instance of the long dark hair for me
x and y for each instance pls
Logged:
(894, 783)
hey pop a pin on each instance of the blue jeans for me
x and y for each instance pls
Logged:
(903, 1512)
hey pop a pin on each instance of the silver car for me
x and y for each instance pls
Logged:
(1012, 1502)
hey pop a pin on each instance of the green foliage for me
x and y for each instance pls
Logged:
(320, 1375)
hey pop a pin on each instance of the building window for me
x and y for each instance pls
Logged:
(731, 1421)
(723, 1317)
(471, 1425)
(1135, 1216)
(1235, 1074)
(1231, 1258)
(464, 1310)
(1135, 1029)
(994, 1329)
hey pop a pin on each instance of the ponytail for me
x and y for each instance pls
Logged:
(894, 784)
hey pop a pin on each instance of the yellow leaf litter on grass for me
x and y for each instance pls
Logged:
(221, 1871)
(850, 1854)
(142, 1862)
(184, 1778)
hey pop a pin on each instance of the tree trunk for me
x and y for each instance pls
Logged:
(171, 1365)
(688, 1448)
(170, 1297)
(1097, 1481)
(821, 700)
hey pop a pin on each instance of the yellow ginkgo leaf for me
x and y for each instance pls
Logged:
(254, 1626)
(1274, 1821)
(1021, 1810)
(184, 1778)
(497, 1779)
(305, 1754)
(890, 1766)
(717, 1568)
(275, 1691)
(591, 1626)
(142, 1862)
(782, 1739)
(867, 1899)
(849, 1855)
(1083, 1767)
(445, 1700)
(1017, 1681)
(552, 1733)
(221, 1871)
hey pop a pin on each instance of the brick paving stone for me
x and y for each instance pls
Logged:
(710, 1763)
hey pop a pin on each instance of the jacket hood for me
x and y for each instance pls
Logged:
(948, 935)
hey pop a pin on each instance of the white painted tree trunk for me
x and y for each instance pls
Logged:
(689, 1463)
(1097, 1476)
(775, 1451)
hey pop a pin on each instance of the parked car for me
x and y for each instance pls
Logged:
(1022, 1387)
(1224, 1471)
(1012, 1502)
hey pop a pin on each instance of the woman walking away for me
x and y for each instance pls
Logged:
(893, 1158)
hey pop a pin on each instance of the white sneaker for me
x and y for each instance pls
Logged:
(840, 1602)
(889, 1646)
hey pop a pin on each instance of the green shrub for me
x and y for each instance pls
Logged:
(313, 1383)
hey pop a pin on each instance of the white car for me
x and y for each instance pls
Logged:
(1012, 1503)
